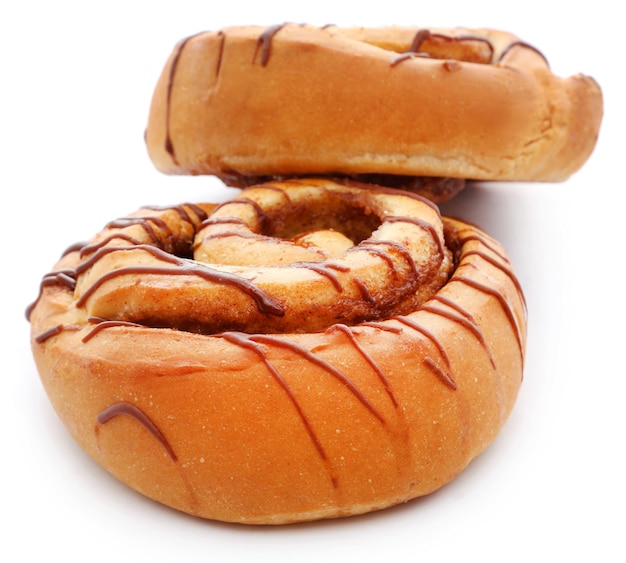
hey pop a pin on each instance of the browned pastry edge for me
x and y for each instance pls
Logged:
(299, 100)
(279, 428)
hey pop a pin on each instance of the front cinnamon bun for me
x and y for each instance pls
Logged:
(305, 350)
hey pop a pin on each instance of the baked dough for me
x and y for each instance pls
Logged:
(278, 427)
(250, 103)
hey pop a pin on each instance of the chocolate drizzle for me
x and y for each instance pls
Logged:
(246, 341)
(264, 43)
(101, 324)
(325, 269)
(260, 214)
(422, 225)
(321, 363)
(506, 269)
(124, 408)
(61, 278)
(379, 248)
(368, 358)
(462, 317)
(506, 307)
(443, 375)
(524, 45)
(160, 236)
(258, 343)
(220, 54)
(423, 36)
(90, 248)
(54, 331)
(418, 40)
(265, 303)
(169, 145)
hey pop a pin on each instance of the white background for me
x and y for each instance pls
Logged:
(76, 82)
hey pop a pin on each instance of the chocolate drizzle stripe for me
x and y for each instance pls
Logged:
(364, 292)
(418, 40)
(442, 375)
(183, 212)
(268, 186)
(169, 146)
(64, 278)
(127, 409)
(381, 326)
(368, 358)
(88, 249)
(49, 333)
(504, 265)
(76, 247)
(423, 35)
(54, 331)
(246, 235)
(406, 56)
(201, 214)
(324, 269)
(264, 302)
(245, 341)
(220, 52)
(102, 324)
(429, 335)
(146, 223)
(321, 363)
(465, 238)
(453, 305)
(261, 216)
(222, 221)
(381, 253)
(101, 252)
(264, 43)
(370, 246)
(425, 225)
(61, 278)
(228, 234)
(414, 50)
(503, 268)
(464, 322)
(525, 45)
(503, 303)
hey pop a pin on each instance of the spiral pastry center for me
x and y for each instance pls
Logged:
(296, 256)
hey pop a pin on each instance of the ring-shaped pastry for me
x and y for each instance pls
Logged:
(269, 428)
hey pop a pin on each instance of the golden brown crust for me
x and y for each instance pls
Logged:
(300, 100)
(277, 428)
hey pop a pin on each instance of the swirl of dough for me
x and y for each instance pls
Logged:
(390, 258)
